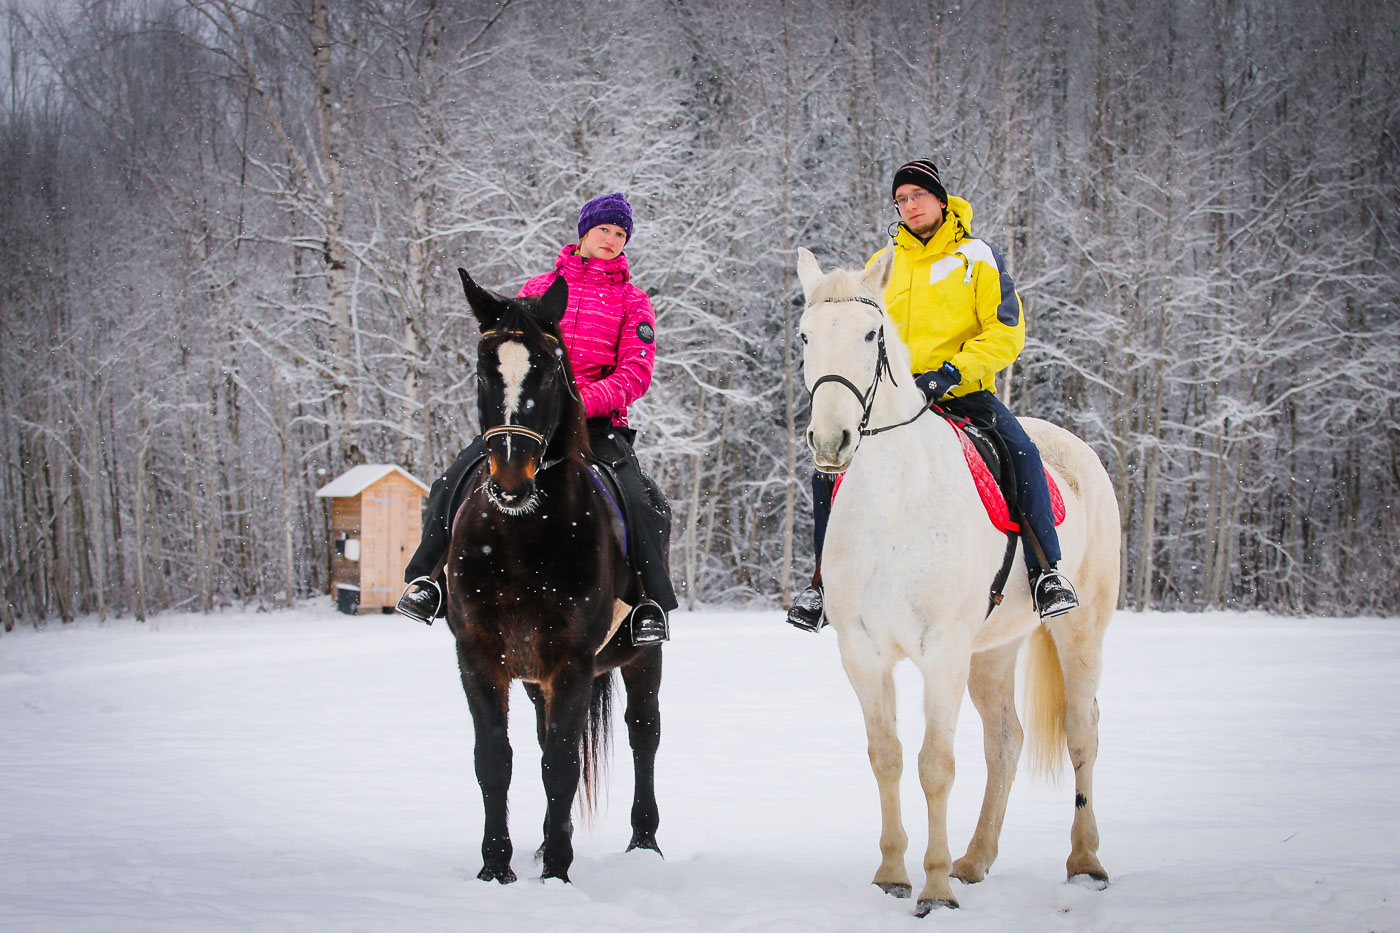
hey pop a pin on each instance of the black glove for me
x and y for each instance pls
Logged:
(936, 382)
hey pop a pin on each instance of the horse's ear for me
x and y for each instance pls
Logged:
(807, 269)
(876, 276)
(485, 306)
(554, 301)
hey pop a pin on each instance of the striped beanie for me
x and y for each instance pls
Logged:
(921, 172)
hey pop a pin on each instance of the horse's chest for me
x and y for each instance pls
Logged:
(521, 566)
(530, 621)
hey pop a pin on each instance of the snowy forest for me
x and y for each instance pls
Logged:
(229, 231)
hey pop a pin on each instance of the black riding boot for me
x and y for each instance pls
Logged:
(421, 600)
(437, 520)
(807, 611)
(1053, 593)
(648, 624)
(648, 518)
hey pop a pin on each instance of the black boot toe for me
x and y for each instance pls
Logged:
(808, 612)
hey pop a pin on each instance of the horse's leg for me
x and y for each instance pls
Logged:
(566, 701)
(532, 690)
(992, 684)
(488, 698)
(642, 678)
(1081, 660)
(945, 679)
(871, 677)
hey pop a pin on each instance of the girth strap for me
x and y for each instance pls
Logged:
(999, 581)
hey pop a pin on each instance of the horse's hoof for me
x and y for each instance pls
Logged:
(967, 872)
(648, 841)
(1094, 880)
(923, 908)
(503, 875)
(895, 888)
(561, 874)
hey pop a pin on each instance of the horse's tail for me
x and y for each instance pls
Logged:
(1045, 707)
(595, 745)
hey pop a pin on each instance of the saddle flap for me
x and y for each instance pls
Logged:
(608, 483)
(996, 494)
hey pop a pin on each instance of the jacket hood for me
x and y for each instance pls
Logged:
(956, 227)
(613, 271)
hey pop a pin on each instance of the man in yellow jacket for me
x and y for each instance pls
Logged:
(956, 307)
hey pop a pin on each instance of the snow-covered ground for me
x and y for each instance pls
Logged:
(305, 770)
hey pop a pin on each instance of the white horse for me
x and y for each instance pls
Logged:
(908, 565)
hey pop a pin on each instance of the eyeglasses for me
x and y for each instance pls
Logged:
(911, 198)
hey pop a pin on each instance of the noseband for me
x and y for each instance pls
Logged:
(882, 368)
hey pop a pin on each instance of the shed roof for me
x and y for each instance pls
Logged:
(357, 479)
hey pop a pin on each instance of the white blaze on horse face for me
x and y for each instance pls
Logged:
(513, 360)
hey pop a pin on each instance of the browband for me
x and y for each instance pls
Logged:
(498, 332)
(863, 300)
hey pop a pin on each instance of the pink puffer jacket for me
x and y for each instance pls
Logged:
(609, 330)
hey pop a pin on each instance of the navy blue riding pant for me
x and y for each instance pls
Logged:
(1032, 489)
(648, 516)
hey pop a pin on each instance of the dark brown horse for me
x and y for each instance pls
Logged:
(535, 577)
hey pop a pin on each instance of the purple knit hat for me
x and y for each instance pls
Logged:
(921, 172)
(606, 209)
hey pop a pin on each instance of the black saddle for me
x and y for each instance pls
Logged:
(607, 481)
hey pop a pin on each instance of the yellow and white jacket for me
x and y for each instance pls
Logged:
(952, 300)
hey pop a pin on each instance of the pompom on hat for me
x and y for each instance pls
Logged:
(921, 172)
(606, 209)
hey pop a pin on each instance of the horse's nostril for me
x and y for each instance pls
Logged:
(845, 439)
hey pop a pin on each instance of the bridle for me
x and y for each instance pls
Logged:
(882, 369)
(519, 429)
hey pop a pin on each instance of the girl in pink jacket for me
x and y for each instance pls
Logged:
(610, 335)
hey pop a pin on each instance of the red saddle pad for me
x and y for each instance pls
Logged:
(992, 499)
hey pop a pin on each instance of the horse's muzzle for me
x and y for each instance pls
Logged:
(831, 450)
(510, 484)
(511, 501)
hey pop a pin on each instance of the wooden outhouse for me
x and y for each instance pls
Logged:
(376, 523)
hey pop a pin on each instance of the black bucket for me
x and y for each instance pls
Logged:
(347, 598)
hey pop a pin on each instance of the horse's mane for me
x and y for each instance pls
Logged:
(522, 314)
(846, 283)
(841, 283)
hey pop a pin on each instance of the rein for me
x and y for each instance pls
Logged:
(882, 368)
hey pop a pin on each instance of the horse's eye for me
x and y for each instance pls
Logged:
(870, 336)
(803, 337)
